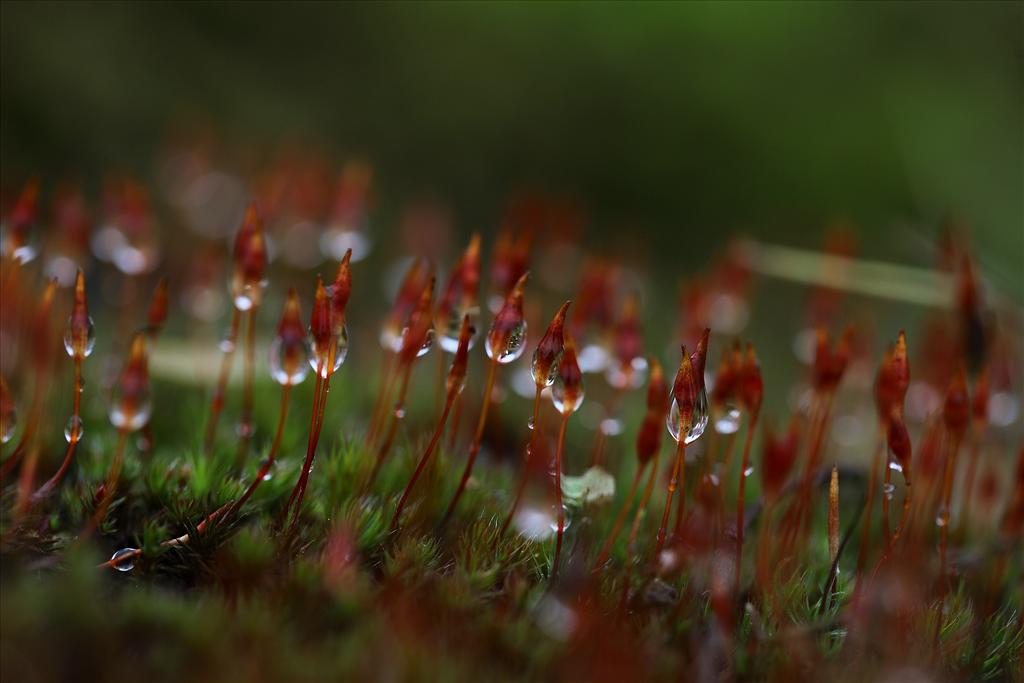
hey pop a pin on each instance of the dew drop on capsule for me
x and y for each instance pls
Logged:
(340, 353)
(74, 429)
(90, 339)
(895, 466)
(124, 559)
(288, 371)
(698, 422)
(553, 519)
(513, 347)
(448, 339)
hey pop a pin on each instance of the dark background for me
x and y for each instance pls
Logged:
(683, 122)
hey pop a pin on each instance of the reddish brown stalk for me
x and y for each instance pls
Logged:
(399, 409)
(75, 437)
(383, 393)
(271, 456)
(678, 473)
(740, 508)
(474, 449)
(865, 532)
(525, 476)
(559, 508)
(979, 409)
(454, 383)
(245, 421)
(620, 519)
(217, 405)
(109, 486)
(294, 502)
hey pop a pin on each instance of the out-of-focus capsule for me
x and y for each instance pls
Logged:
(289, 351)
(131, 403)
(507, 338)
(80, 335)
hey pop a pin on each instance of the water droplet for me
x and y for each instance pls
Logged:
(513, 347)
(698, 423)
(85, 345)
(548, 379)
(400, 413)
(289, 361)
(246, 295)
(319, 358)
(553, 523)
(747, 472)
(270, 469)
(449, 335)
(729, 421)
(226, 344)
(245, 430)
(593, 358)
(895, 466)
(74, 429)
(942, 516)
(124, 559)
(566, 402)
(529, 423)
(888, 490)
(130, 415)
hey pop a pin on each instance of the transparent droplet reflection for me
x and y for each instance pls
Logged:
(513, 347)
(124, 559)
(74, 429)
(698, 422)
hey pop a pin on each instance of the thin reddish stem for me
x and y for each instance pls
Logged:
(271, 457)
(113, 476)
(247, 387)
(525, 476)
(217, 405)
(69, 455)
(740, 510)
(620, 519)
(424, 459)
(678, 470)
(559, 509)
(474, 449)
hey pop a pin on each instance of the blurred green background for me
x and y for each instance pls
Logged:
(682, 122)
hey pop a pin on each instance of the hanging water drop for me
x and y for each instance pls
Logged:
(71, 339)
(895, 466)
(512, 348)
(888, 490)
(124, 559)
(747, 472)
(698, 422)
(74, 429)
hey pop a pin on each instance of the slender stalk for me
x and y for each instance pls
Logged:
(271, 457)
(865, 532)
(69, 455)
(606, 549)
(247, 387)
(559, 509)
(217, 405)
(377, 414)
(474, 449)
(113, 476)
(943, 518)
(525, 477)
(297, 491)
(739, 498)
(886, 499)
(635, 530)
(424, 459)
(399, 408)
(977, 434)
(453, 433)
(678, 471)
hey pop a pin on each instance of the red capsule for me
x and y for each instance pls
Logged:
(830, 364)
(567, 394)
(684, 388)
(893, 378)
(699, 358)
(549, 350)
(158, 307)
(457, 373)
(459, 295)
(778, 457)
(79, 338)
(899, 442)
(727, 377)
(417, 336)
(250, 255)
(648, 438)
(956, 410)
(289, 353)
(405, 301)
(341, 291)
(21, 221)
(751, 383)
(506, 339)
(131, 405)
(321, 331)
